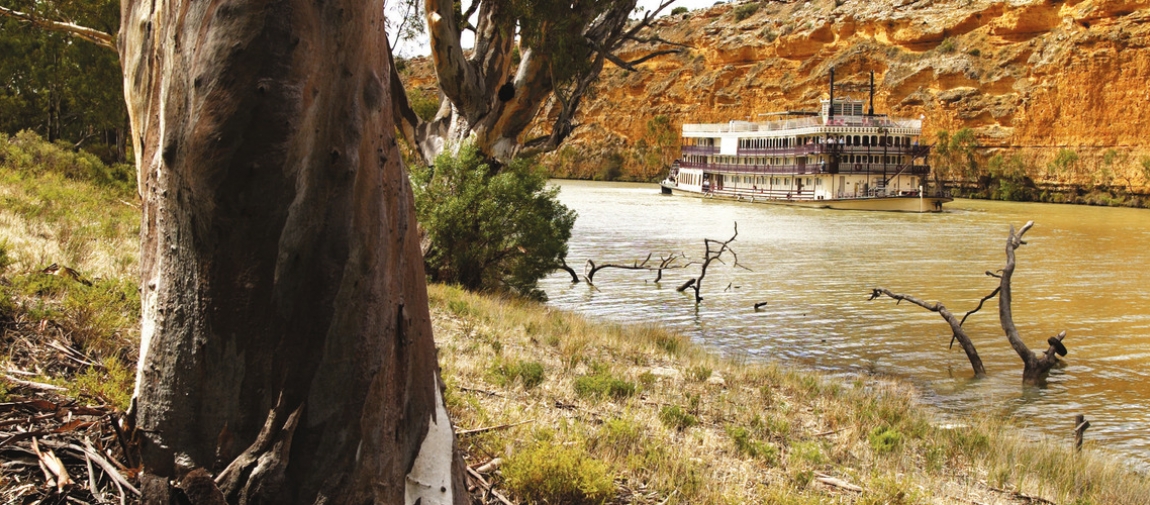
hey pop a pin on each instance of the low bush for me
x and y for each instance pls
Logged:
(747, 445)
(550, 472)
(675, 417)
(746, 10)
(884, 439)
(603, 385)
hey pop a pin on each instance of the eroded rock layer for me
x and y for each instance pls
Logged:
(1030, 77)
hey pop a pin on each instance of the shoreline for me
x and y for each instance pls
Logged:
(651, 410)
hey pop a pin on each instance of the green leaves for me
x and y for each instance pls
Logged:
(59, 86)
(490, 229)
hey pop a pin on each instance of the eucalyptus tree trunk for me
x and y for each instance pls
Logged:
(286, 352)
(494, 101)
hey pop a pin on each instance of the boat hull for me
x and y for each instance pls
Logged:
(886, 204)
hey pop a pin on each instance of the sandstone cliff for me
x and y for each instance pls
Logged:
(1031, 78)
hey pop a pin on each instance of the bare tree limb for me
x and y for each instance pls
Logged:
(710, 255)
(664, 264)
(1035, 368)
(958, 333)
(92, 35)
(569, 270)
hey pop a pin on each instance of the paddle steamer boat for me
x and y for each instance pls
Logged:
(839, 157)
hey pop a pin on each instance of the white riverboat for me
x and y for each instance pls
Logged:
(838, 158)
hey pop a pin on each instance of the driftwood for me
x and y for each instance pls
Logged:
(1035, 367)
(570, 271)
(665, 263)
(713, 252)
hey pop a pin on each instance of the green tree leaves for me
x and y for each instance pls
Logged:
(59, 86)
(490, 229)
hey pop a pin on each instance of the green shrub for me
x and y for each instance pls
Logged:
(746, 10)
(809, 452)
(675, 417)
(548, 472)
(113, 383)
(884, 439)
(424, 104)
(490, 228)
(947, 46)
(530, 373)
(751, 447)
(30, 154)
(621, 434)
(602, 384)
(5, 259)
(678, 10)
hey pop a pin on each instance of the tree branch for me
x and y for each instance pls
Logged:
(1005, 315)
(92, 35)
(957, 332)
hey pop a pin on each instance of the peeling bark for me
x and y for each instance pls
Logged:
(286, 344)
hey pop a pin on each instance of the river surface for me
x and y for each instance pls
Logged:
(1085, 270)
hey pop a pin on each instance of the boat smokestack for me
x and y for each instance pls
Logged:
(831, 105)
(871, 93)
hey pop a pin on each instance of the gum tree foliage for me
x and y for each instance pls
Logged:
(1008, 179)
(59, 85)
(490, 229)
(956, 155)
(1064, 166)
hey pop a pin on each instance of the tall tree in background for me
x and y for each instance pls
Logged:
(56, 85)
(286, 351)
(528, 54)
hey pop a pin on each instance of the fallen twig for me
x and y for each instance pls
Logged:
(836, 482)
(492, 428)
(34, 385)
(487, 486)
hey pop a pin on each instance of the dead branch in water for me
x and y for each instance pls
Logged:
(1035, 367)
(665, 263)
(714, 252)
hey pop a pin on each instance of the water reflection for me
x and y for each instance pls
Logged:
(1084, 270)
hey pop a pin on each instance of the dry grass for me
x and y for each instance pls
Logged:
(698, 429)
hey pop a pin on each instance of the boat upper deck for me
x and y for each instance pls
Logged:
(810, 125)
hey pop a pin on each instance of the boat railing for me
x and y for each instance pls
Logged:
(804, 122)
(747, 126)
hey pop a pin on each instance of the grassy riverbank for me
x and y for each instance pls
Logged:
(588, 411)
(576, 411)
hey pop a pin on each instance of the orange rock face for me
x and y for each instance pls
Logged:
(1029, 77)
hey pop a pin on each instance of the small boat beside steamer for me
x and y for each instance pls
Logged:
(838, 158)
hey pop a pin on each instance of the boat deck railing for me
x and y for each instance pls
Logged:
(811, 168)
(804, 122)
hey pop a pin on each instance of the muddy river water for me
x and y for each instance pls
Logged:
(1085, 270)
